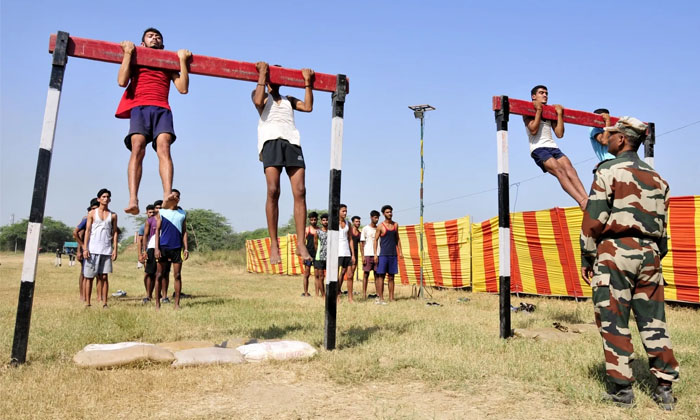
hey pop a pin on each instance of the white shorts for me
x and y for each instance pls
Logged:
(97, 264)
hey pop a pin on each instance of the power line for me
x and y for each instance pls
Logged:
(517, 183)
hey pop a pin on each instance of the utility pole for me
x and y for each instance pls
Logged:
(419, 112)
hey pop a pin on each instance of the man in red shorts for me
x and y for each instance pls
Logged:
(145, 103)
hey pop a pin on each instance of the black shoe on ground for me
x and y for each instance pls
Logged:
(145, 300)
(165, 300)
(620, 396)
(663, 395)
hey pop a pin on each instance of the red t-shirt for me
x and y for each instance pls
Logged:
(148, 86)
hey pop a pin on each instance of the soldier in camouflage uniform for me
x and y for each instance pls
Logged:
(623, 238)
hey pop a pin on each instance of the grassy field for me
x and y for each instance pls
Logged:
(404, 360)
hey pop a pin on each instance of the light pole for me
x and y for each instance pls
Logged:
(418, 112)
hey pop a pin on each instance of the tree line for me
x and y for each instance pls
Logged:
(207, 230)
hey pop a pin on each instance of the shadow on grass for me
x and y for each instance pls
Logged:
(207, 302)
(274, 331)
(640, 369)
(353, 337)
(356, 336)
(568, 317)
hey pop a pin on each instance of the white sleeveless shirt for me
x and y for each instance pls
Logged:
(543, 137)
(277, 122)
(101, 234)
(343, 244)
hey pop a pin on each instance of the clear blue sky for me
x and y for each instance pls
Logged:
(635, 58)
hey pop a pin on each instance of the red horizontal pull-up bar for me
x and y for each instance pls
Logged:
(572, 116)
(111, 52)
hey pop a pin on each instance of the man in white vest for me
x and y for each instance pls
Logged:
(279, 148)
(545, 151)
(101, 235)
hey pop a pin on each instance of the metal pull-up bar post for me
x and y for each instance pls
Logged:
(503, 107)
(62, 45)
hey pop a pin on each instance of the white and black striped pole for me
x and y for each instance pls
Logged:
(333, 209)
(502, 115)
(36, 214)
(649, 143)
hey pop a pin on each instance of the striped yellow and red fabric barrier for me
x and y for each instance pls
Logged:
(681, 267)
(447, 250)
(545, 253)
(258, 256)
(485, 256)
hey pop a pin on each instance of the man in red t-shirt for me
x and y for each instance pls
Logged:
(145, 103)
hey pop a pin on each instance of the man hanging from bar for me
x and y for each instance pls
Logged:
(145, 103)
(544, 150)
(279, 148)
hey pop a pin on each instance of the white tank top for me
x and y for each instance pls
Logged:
(343, 245)
(543, 137)
(277, 122)
(101, 234)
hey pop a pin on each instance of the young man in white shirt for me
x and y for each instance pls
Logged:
(367, 244)
(544, 150)
(279, 148)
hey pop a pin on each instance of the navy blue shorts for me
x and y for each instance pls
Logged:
(309, 263)
(150, 121)
(542, 154)
(387, 264)
(281, 153)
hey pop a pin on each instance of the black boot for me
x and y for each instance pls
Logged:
(663, 395)
(622, 396)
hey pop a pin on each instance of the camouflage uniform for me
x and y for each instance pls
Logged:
(623, 237)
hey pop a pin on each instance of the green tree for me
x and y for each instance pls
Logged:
(208, 230)
(53, 234)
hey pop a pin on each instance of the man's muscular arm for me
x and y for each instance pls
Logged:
(558, 126)
(533, 124)
(258, 96)
(603, 137)
(182, 79)
(308, 104)
(125, 69)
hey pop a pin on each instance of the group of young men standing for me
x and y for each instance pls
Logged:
(162, 243)
(376, 247)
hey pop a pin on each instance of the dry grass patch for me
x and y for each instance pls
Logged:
(402, 360)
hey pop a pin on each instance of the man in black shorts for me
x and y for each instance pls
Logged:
(321, 255)
(171, 244)
(279, 148)
(310, 238)
(147, 254)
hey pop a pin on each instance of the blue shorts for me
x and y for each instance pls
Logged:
(150, 121)
(388, 264)
(542, 154)
(309, 263)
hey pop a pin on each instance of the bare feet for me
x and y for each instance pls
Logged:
(176, 307)
(168, 199)
(303, 252)
(583, 204)
(275, 253)
(133, 207)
